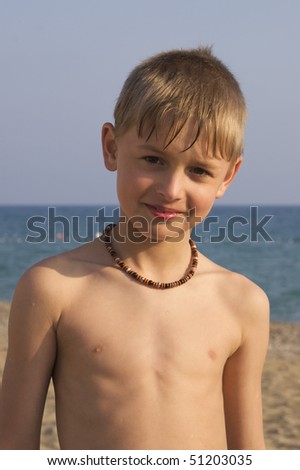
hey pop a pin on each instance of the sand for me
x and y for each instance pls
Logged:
(281, 388)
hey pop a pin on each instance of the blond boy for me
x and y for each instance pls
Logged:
(150, 345)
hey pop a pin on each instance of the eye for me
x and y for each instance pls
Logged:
(153, 160)
(199, 171)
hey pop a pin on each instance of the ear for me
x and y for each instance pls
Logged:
(231, 173)
(109, 146)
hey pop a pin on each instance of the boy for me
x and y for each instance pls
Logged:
(150, 345)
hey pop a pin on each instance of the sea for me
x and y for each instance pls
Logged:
(261, 242)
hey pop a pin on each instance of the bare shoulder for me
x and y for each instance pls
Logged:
(246, 300)
(50, 283)
(248, 296)
(251, 306)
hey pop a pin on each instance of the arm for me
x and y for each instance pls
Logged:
(242, 375)
(30, 359)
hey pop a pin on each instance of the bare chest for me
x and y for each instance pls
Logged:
(145, 334)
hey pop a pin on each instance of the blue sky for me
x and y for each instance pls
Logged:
(63, 63)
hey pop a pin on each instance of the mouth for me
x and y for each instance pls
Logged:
(165, 213)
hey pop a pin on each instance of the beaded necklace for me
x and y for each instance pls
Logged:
(148, 282)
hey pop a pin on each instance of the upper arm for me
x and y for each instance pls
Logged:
(30, 359)
(242, 375)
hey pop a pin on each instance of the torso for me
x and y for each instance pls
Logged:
(139, 368)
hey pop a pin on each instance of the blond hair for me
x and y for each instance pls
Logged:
(179, 86)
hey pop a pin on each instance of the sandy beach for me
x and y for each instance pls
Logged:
(281, 388)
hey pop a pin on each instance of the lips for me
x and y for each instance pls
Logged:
(165, 213)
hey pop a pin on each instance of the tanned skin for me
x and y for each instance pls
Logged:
(135, 367)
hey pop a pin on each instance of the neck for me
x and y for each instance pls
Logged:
(162, 260)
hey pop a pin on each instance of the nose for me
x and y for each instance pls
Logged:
(170, 186)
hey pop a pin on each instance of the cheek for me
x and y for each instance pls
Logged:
(131, 186)
(124, 188)
(202, 201)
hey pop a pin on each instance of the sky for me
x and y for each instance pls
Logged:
(63, 63)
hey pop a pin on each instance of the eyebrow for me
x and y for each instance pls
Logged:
(151, 147)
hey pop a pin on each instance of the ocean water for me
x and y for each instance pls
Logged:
(263, 243)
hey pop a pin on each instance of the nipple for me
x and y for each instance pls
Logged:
(98, 348)
(212, 354)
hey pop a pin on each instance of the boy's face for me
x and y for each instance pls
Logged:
(165, 187)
